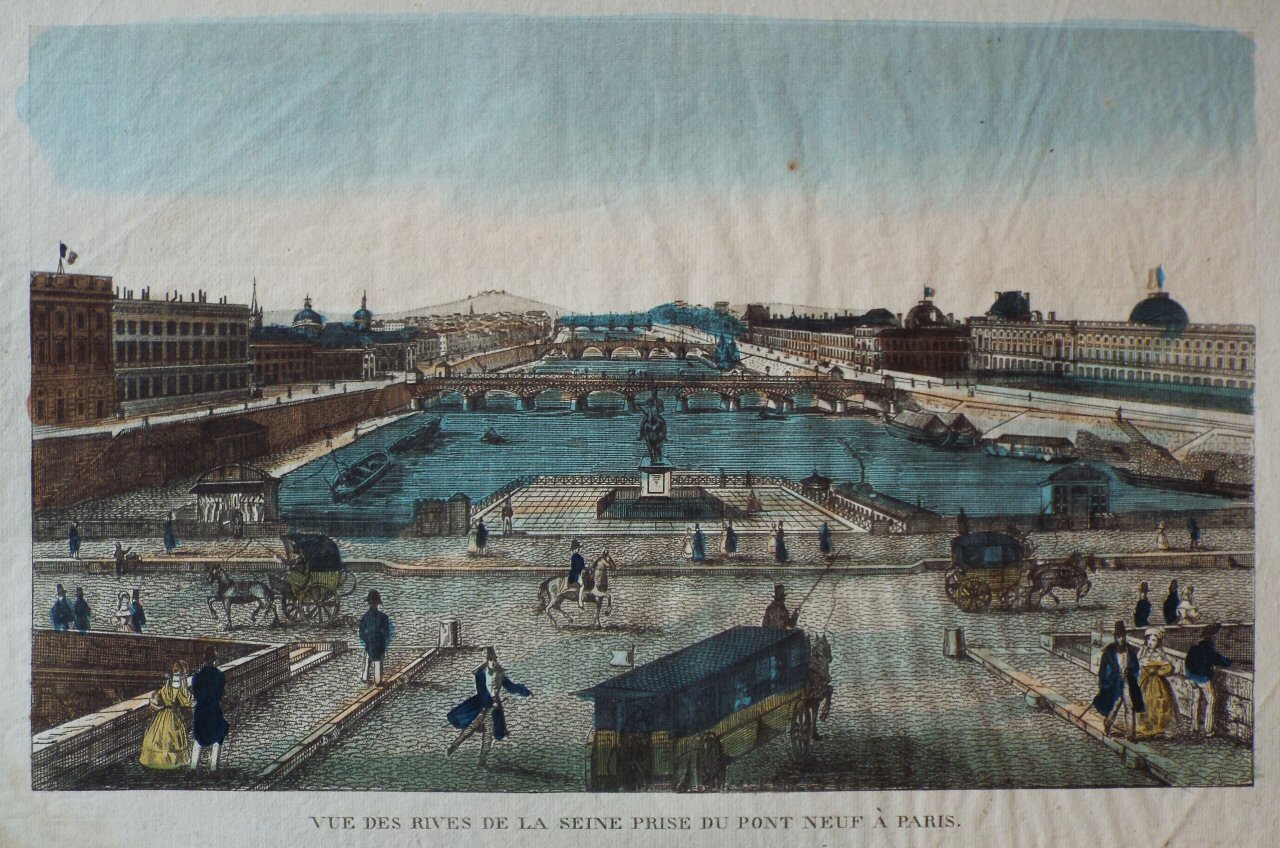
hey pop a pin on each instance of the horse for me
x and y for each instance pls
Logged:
(819, 689)
(231, 593)
(554, 591)
(1072, 575)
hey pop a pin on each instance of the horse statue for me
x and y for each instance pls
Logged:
(653, 429)
(555, 591)
(231, 593)
(819, 689)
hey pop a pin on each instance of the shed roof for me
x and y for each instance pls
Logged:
(689, 666)
(1077, 472)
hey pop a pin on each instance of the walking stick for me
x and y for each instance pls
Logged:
(477, 723)
(796, 615)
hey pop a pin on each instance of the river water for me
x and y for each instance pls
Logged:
(555, 440)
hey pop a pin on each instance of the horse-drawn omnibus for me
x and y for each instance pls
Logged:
(992, 566)
(676, 722)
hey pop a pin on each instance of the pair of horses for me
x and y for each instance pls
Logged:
(556, 591)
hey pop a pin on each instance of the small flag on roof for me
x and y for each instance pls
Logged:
(1155, 278)
(66, 254)
(928, 291)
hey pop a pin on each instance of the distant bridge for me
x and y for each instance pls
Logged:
(629, 349)
(778, 392)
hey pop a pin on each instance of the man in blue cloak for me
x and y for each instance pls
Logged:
(81, 611)
(699, 544)
(1118, 688)
(208, 727)
(469, 716)
(825, 544)
(1171, 602)
(61, 614)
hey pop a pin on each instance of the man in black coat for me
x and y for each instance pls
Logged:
(208, 726)
(375, 634)
(1202, 660)
(1118, 688)
(1142, 610)
(1171, 604)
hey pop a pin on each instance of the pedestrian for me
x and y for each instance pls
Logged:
(73, 541)
(165, 743)
(1162, 536)
(375, 635)
(776, 616)
(1171, 602)
(1161, 713)
(1187, 611)
(508, 514)
(170, 537)
(137, 615)
(208, 726)
(962, 523)
(1142, 610)
(61, 614)
(470, 716)
(1119, 692)
(1202, 661)
(825, 543)
(724, 479)
(119, 554)
(1193, 532)
(728, 541)
(699, 552)
(479, 538)
(748, 478)
(80, 612)
(779, 544)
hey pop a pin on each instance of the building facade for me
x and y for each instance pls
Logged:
(1156, 345)
(72, 373)
(173, 352)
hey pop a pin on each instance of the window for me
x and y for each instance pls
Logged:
(82, 320)
(119, 328)
(185, 328)
(198, 329)
(145, 327)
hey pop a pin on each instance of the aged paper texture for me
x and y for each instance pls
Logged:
(792, 423)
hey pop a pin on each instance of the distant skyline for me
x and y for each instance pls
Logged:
(620, 162)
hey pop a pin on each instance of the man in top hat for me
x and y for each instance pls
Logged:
(1202, 661)
(375, 634)
(469, 716)
(1118, 683)
(776, 616)
(1142, 610)
(576, 566)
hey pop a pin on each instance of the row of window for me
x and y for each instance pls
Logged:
(64, 351)
(1108, 341)
(139, 388)
(132, 351)
(179, 328)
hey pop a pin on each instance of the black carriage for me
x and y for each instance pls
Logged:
(317, 580)
(993, 566)
(677, 722)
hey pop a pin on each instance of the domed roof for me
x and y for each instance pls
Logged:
(1159, 310)
(363, 313)
(925, 314)
(307, 315)
(1011, 306)
(878, 317)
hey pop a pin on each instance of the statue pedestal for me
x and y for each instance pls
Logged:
(655, 481)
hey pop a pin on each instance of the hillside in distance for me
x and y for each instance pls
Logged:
(494, 300)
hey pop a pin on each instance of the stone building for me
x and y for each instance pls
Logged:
(175, 352)
(72, 373)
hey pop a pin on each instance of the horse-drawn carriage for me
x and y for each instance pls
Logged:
(677, 722)
(312, 589)
(993, 566)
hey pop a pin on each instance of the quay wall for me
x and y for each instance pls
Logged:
(64, 755)
(72, 469)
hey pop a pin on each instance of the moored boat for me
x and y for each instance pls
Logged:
(1041, 448)
(417, 438)
(1207, 484)
(356, 478)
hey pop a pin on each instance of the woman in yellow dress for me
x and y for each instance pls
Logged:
(166, 744)
(1161, 714)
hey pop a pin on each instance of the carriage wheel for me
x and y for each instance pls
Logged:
(952, 582)
(974, 595)
(314, 603)
(712, 762)
(801, 732)
(289, 607)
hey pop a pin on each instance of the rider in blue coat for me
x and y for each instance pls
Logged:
(491, 681)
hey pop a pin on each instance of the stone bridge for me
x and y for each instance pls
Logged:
(778, 392)
(629, 349)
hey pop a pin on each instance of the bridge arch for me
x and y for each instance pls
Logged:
(592, 352)
(625, 352)
(661, 352)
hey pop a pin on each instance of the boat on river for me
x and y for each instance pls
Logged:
(493, 437)
(767, 414)
(948, 431)
(1042, 448)
(419, 438)
(356, 478)
(1205, 484)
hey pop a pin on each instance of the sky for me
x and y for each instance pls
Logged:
(619, 162)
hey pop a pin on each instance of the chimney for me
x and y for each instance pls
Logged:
(1053, 316)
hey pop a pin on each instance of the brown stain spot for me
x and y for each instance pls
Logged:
(793, 165)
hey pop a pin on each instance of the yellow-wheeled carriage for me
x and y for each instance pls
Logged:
(317, 580)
